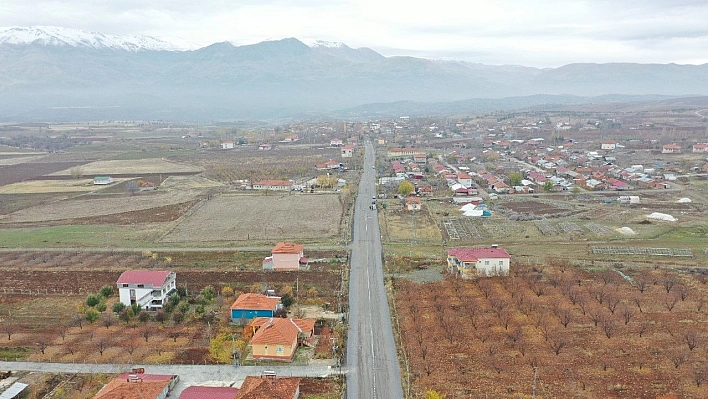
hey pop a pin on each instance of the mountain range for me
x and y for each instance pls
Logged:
(49, 73)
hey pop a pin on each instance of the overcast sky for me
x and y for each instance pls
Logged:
(539, 33)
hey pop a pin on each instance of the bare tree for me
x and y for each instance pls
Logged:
(682, 291)
(638, 301)
(101, 345)
(485, 286)
(690, 337)
(538, 287)
(573, 295)
(565, 316)
(130, 347)
(42, 344)
(644, 327)
(599, 294)
(626, 314)
(641, 284)
(677, 357)
(670, 302)
(9, 327)
(668, 284)
(62, 330)
(595, 315)
(612, 302)
(174, 334)
(701, 303)
(107, 319)
(146, 333)
(557, 343)
(608, 326)
(699, 374)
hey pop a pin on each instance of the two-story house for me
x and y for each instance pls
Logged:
(470, 262)
(286, 256)
(149, 289)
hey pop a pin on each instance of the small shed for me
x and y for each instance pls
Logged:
(102, 180)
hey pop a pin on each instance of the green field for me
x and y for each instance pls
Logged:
(77, 236)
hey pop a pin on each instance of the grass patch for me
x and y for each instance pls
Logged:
(76, 236)
(14, 353)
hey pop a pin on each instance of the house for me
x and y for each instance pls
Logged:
(275, 185)
(700, 147)
(290, 139)
(329, 165)
(227, 145)
(671, 149)
(347, 151)
(470, 262)
(420, 158)
(149, 289)
(195, 392)
(265, 147)
(286, 256)
(412, 203)
(277, 338)
(249, 305)
(102, 180)
(608, 145)
(336, 143)
(465, 179)
(138, 386)
(404, 152)
(270, 387)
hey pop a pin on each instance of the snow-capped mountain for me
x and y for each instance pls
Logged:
(56, 36)
(322, 43)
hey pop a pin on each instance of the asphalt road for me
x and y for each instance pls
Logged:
(372, 363)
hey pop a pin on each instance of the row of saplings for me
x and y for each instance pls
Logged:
(177, 308)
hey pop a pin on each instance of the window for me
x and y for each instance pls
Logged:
(486, 263)
(279, 350)
(125, 285)
(141, 285)
(501, 263)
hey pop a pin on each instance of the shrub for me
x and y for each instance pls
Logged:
(118, 307)
(227, 292)
(106, 291)
(144, 317)
(101, 306)
(208, 293)
(91, 315)
(174, 299)
(182, 292)
(93, 300)
(184, 307)
(287, 300)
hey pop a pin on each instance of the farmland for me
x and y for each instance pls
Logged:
(638, 339)
(132, 168)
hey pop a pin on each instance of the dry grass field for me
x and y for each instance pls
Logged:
(271, 217)
(87, 207)
(131, 167)
(52, 186)
(399, 226)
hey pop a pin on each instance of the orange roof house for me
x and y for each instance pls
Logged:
(138, 386)
(250, 305)
(286, 256)
(278, 338)
(269, 388)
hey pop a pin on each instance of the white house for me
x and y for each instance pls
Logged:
(274, 185)
(347, 151)
(470, 262)
(147, 288)
(227, 145)
(608, 145)
(102, 180)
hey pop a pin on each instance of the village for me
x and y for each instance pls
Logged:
(230, 248)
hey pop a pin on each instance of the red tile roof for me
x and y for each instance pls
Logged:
(275, 330)
(274, 183)
(209, 392)
(268, 388)
(287, 248)
(149, 386)
(474, 254)
(253, 301)
(154, 278)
